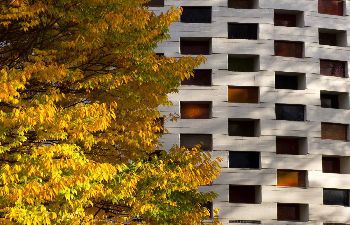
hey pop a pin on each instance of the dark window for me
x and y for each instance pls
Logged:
(209, 207)
(330, 164)
(331, 7)
(244, 194)
(292, 81)
(332, 37)
(195, 46)
(195, 110)
(328, 39)
(190, 140)
(160, 54)
(245, 221)
(243, 64)
(201, 77)
(243, 127)
(291, 178)
(155, 3)
(335, 197)
(289, 49)
(332, 68)
(244, 160)
(289, 145)
(334, 131)
(288, 212)
(284, 19)
(243, 94)
(159, 122)
(243, 31)
(335, 224)
(241, 4)
(290, 112)
(329, 101)
(196, 14)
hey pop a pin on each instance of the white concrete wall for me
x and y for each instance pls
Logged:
(266, 212)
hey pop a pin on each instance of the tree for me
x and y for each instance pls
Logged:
(80, 90)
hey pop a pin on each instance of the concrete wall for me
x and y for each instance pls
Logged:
(266, 212)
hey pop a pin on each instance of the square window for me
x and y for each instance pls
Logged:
(159, 124)
(195, 110)
(155, 3)
(335, 100)
(335, 197)
(243, 31)
(289, 49)
(332, 68)
(195, 46)
(291, 146)
(209, 207)
(291, 81)
(330, 164)
(243, 127)
(329, 101)
(243, 94)
(242, 4)
(332, 37)
(201, 77)
(190, 140)
(331, 7)
(290, 112)
(243, 63)
(248, 194)
(292, 212)
(334, 131)
(291, 178)
(249, 160)
(196, 14)
(288, 18)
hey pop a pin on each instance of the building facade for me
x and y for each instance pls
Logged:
(272, 100)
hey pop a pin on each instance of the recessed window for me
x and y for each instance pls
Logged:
(335, 100)
(331, 7)
(243, 127)
(195, 110)
(243, 63)
(243, 31)
(248, 160)
(291, 81)
(195, 46)
(335, 197)
(190, 140)
(155, 3)
(332, 37)
(159, 124)
(290, 112)
(242, 4)
(291, 146)
(335, 224)
(196, 14)
(333, 68)
(334, 131)
(292, 212)
(201, 77)
(209, 207)
(289, 49)
(248, 194)
(291, 178)
(288, 18)
(245, 221)
(336, 164)
(243, 94)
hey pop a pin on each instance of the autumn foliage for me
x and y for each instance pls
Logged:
(80, 87)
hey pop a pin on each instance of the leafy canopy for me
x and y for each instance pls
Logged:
(80, 90)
